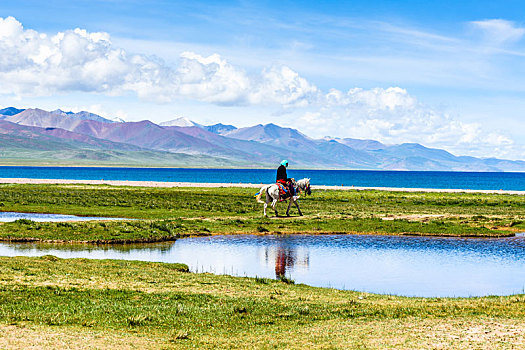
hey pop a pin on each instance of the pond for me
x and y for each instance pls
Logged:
(8, 216)
(410, 266)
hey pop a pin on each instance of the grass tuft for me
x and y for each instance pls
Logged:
(286, 280)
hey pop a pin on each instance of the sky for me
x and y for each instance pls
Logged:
(446, 75)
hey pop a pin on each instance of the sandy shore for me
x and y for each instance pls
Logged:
(250, 185)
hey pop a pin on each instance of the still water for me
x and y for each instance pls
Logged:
(8, 216)
(411, 266)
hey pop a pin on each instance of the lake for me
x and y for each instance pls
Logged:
(9, 216)
(410, 266)
(361, 178)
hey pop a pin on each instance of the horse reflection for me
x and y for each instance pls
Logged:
(286, 258)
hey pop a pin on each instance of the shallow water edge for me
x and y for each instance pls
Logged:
(407, 266)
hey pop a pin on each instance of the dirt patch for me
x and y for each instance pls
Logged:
(490, 334)
(36, 337)
(415, 217)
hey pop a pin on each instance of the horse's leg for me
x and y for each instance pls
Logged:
(289, 205)
(274, 203)
(268, 198)
(297, 205)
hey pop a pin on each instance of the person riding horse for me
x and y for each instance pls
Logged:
(283, 179)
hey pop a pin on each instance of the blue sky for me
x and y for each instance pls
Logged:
(447, 75)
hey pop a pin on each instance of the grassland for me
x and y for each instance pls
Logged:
(79, 303)
(161, 214)
(49, 302)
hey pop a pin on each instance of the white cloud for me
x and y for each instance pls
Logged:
(376, 99)
(76, 60)
(36, 64)
(499, 31)
(284, 86)
(211, 79)
(394, 116)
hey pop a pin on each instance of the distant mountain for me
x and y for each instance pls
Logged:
(270, 133)
(145, 134)
(415, 150)
(54, 119)
(44, 119)
(182, 122)
(413, 156)
(83, 115)
(508, 165)
(363, 145)
(85, 137)
(20, 144)
(220, 129)
(328, 153)
(172, 139)
(10, 111)
(40, 137)
(238, 149)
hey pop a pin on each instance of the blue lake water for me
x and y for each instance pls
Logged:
(411, 266)
(7, 216)
(407, 179)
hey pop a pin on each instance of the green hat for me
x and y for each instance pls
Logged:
(284, 162)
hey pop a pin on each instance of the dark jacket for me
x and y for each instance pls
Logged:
(281, 173)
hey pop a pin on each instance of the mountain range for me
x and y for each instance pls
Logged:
(35, 136)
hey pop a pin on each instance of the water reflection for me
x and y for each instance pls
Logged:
(412, 266)
(52, 248)
(286, 258)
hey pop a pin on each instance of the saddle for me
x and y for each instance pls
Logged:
(284, 192)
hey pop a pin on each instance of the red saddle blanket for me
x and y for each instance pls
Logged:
(284, 192)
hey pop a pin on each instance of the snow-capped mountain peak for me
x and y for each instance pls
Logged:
(181, 121)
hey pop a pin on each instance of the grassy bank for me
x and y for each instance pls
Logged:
(168, 213)
(50, 302)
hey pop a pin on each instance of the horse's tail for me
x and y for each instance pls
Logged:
(260, 193)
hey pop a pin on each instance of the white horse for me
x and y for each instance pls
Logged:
(272, 195)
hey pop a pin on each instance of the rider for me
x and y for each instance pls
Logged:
(282, 177)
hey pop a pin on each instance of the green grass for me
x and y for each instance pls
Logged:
(168, 213)
(54, 303)
(143, 202)
(164, 303)
(99, 232)
(169, 230)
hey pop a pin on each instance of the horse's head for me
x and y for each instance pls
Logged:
(304, 185)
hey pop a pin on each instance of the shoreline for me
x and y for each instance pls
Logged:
(241, 185)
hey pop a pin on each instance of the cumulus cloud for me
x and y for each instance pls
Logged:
(36, 64)
(211, 79)
(376, 99)
(284, 86)
(499, 31)
(393, 116)
(32, 63)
